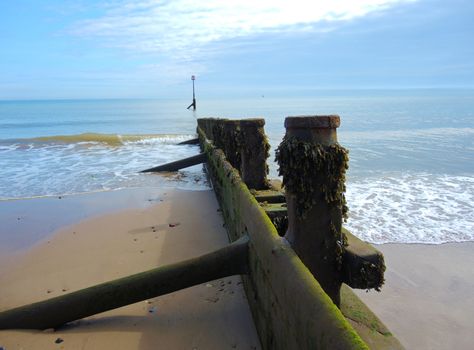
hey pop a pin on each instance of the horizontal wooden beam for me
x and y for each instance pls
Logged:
(363, 265)
(269, 196)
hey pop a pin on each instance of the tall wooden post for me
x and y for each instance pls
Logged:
(315, 235)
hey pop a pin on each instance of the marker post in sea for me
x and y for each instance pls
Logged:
(193, 78)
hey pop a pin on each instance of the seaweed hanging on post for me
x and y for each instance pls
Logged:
(309, 168)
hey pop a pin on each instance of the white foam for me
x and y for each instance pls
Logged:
(411, 208)
(59, 169)
(170, 139)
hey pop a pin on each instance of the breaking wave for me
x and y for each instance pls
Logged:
(110, 139)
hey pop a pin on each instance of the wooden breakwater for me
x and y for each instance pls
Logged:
(290, 248)
(290, 308)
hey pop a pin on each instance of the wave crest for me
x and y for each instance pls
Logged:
(113, 139)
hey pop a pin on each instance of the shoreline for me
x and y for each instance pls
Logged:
(27, 221)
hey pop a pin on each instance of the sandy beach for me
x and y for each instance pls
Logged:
(157, 228)
(427, 300)
(51, 246)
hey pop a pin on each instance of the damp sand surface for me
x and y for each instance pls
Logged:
(427, 300)
(51, 246)
(151, 229)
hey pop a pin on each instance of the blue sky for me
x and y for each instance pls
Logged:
(145, 48)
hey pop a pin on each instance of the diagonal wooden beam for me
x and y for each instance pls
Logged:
(179, 164)
(55, 312)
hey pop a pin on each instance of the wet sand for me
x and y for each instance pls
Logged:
(158, 228)
(428, 297)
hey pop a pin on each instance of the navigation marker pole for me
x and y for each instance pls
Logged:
(194, 97)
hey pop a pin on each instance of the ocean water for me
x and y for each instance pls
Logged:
(411, 175)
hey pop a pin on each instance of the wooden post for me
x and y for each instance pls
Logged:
(316, 236)
(254, 153)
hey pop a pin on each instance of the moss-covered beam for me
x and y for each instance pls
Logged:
(269, 196)
(363, 265)
(55, 312)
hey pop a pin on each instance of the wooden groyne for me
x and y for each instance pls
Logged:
(296, 236)
(289, 246)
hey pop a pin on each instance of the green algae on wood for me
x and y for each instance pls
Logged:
(290, 309)
(244, 144)
(283, 310)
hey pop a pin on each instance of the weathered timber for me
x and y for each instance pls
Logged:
(244, 144)
(366, 323)
(231, 142)
(190, 142)
(254, 153)
(314, 222)
(179, 164)
(270, 196)
(290, 309)
(275, 210)
(52, 313)
(363, 266)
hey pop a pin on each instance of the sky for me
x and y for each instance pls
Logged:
(150, 48)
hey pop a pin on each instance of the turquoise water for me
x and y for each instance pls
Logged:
(411, 176)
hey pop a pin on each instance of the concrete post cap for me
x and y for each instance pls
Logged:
(313, 122)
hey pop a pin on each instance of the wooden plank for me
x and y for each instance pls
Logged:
(179, 164)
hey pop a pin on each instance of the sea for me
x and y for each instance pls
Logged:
(411, 168)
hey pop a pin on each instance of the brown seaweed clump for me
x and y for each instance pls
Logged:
(313, 170)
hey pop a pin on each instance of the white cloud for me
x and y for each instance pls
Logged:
(156, 25)
(179, 30)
